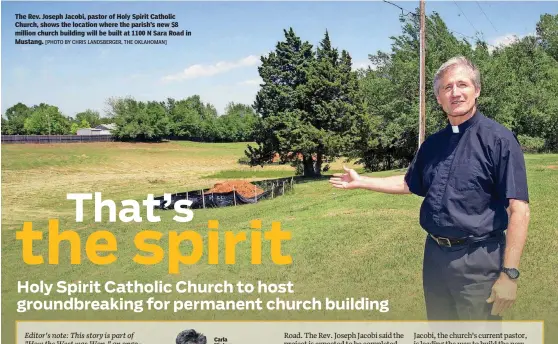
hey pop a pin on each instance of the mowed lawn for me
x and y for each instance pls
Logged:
(345, 244)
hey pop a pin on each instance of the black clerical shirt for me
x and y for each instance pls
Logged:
(467, 174)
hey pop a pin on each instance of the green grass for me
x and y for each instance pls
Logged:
(236, 174)
(29, 158)
(261, 173)
(344, 243)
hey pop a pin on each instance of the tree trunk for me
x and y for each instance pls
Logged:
(308, 163)
(318, 164)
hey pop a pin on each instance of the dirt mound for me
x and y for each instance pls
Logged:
(244, 188)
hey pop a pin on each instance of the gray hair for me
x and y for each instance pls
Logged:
(458, 61)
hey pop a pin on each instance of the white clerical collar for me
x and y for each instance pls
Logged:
(455, 129)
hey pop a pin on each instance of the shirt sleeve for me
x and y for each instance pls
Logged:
(511, 172)
(413, 177)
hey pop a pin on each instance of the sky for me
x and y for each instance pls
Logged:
(219, 61)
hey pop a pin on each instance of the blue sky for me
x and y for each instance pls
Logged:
(219, 61)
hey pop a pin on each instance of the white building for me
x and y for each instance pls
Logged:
(89, 131)
(106, 129)
(102, 129)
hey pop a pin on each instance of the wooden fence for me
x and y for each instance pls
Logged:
(6, 139)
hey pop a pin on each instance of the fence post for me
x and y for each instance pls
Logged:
(255, 198)
(272, 189)
(292, 183)
(283, 188)
(203, 199)
(186, 195)
(234, 196)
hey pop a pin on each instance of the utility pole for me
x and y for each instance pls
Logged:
(422, 102)
(48, 121)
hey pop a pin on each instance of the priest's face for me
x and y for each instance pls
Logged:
(457, 93)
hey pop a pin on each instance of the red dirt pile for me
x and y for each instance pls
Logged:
(244, 188)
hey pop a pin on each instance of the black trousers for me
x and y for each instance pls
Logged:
(458, 280)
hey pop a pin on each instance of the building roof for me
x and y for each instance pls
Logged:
(92, 129)
(109, 126)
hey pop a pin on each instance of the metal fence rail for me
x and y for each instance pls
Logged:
(202, 199)
(55, 138)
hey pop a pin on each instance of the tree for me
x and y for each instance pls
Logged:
(76, 126)
(106, 120)
(16, 116)
(90, 116)
(137, 120)
(185, 116)
(4, 126)
(308, 103)
(46, 119)
(209, 127)
(278, 102)
(389, 137)
(191, 118)
(523, 84)
(334, 106)
(518, 88)
(238, 123)
(547, 34)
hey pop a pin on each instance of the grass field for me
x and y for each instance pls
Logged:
(344, 243)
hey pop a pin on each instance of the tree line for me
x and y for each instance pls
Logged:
(46, 119)
(188, 118)
(519, 84)
(313, 107)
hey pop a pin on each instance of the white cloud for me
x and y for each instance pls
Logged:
(200, 70)
(251, 82)
(363, 64)
(505, 40)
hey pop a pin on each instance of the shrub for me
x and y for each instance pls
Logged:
(531, 144)
(244, 160)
